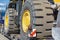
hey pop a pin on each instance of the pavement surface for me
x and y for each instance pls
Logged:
(3, 37)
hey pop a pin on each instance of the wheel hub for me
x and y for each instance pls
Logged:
(26, 20)
(6, 21)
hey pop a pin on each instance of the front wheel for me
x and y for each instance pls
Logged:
(36, 14)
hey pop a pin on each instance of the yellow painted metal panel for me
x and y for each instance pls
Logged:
(56, 1)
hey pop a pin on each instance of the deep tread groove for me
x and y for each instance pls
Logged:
(48, 8)
(39, 16)
(49, 21)
(48, 29)
(48, 36)
(38, 24)
(38, 10)
(39, 32)
(48, 14)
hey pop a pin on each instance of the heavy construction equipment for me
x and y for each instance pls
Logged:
(36, 14)
(33, 19)
(40, 11)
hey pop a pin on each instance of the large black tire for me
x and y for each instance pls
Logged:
(41, 18)
(12, 28)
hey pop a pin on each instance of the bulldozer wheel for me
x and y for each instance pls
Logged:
(40, 14)
(9, 25)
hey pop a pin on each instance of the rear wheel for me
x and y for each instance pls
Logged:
(9, 24)
(36, 14)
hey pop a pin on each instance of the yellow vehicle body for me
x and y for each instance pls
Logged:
(56, 1)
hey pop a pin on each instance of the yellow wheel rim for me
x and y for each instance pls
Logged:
(6, 21)
(26, 20)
